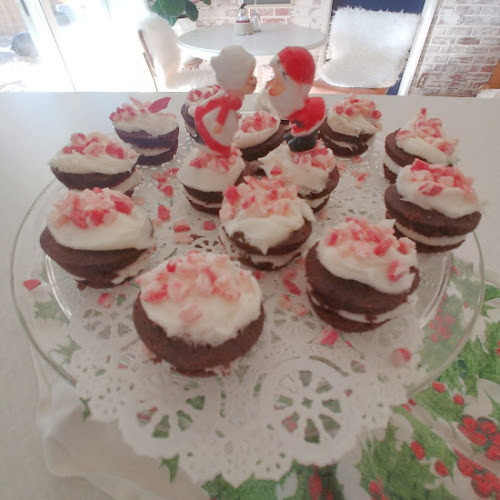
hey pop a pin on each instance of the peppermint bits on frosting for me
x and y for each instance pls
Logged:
(438, 187)
(353, 105)
(369, 253)
(203, 297)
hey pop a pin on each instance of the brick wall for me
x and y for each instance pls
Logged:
(460, 53)
(461, 50)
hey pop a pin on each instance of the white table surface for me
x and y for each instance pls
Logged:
(34, 126)
(209, 41)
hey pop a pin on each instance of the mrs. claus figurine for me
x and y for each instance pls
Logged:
(217, 118)
(288, 91)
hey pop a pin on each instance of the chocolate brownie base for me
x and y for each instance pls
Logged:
(98, 267)
(336, 320)
(429, 223)
(143, 139)
(188, 120)
(358, 145)
(331, 184)
(154, 160)
(261, 150)
(208, 201)
(191, 359)
(333, 293)
(389, 174)
(294, 241)
(91, 180)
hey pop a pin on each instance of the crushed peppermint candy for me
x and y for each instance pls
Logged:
(31, 284)
(96, 144)
(198, 95)
(90, 208)
(257, 122)
(126, 112)
(258, 198)
(216, 162)
(429, 130)
(433, 179)
(359, 239)
(353, 105)
(186, 280)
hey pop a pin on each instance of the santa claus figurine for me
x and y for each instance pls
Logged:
(217, 118)
(288, 91)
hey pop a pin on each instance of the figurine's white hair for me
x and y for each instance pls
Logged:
(232, 67)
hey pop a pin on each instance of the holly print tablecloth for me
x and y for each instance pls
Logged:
(444, 443)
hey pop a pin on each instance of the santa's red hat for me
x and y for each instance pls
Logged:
(298, 64)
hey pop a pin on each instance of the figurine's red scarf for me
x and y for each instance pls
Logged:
(226, 103)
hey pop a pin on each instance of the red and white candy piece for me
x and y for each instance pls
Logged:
(257, 122)
(353, 105)
(91, 208)
(97, 145)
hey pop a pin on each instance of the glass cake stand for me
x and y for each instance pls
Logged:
(53, 311)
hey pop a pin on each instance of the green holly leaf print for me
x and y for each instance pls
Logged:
(432, 444)
(50, 310)
(254, 489)
(171, 464)
(495, 414)
(66, 351)
(397, 471)
(440, 404)
(491, 292)
(86, 411)
(490, 369)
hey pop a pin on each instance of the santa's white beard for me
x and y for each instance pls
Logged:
(290, 100)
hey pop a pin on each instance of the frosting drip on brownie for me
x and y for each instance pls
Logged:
(209, 172)
(265, 211)
(370, 254)
(99, 219)
(438, 187)
(94, 153)
(203, 298)
(149, 117)
(354, 116)
(255, 129)
(309, 170)
(425, 138)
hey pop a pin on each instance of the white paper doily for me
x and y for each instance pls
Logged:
(302, 393)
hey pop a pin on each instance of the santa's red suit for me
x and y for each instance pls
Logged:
(295, 67)
(216, 121)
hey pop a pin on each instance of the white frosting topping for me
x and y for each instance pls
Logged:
(370, 254)
(149, 117)
(101, 219)
(255, 129)
(438, 187)
(196, 96)
(206, 171)
(94, 153)
(265, 211)
(425, 138)
(309, 170)
(354, 116)
(203, 297)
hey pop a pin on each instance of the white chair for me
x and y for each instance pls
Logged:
(163, 58)
(367, 50)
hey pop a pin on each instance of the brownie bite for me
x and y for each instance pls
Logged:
(258, 134)
(314, 172)
(99, 236)
(264, 224)
(96, 160)
(422, 138)
(199, 312)
(205, 175)
(150, 130)
(360, 275)
(434, 205)
(349, 126)
(195, 97)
